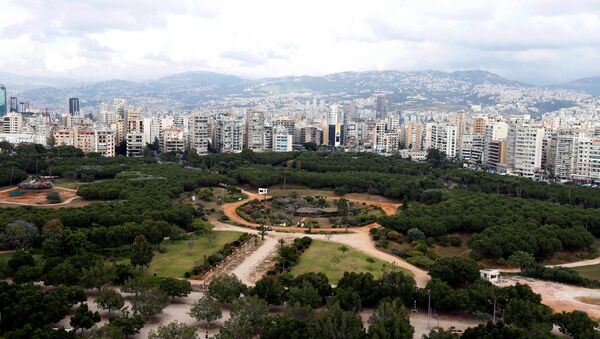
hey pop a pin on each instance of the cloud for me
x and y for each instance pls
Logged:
(536, 41)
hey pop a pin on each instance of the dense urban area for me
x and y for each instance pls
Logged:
(356, 205)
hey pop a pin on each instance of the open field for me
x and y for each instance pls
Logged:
(326, 257)
(304, 191)
(178, 258)
(590, 272)
(36, 197)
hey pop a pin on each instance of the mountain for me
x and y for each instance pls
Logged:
(589, 85)
(192, 89)
(19, 83)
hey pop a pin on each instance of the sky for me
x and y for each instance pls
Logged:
(536, 41)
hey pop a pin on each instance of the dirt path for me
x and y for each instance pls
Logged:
(361, 241)
(249, 271)
(358, 239)
(588, 262)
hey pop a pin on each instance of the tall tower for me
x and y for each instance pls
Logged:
(2, 101)
(14, 104)
(74, 107)
(381, 107)
(255, 130)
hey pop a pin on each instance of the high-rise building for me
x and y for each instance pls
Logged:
(12, 123)
(282, 140)
(105, 143)
(472, 147)
(2, 101)
(229, 134)
(562, 154)
(14, 104)
(200, 133)
(85, 140)
(74, 107)
(255, 130)
(588, 160)
(444, 139)
(335, 129)
(524, 149)
(135, 144)
(381, 107)
(172, 140)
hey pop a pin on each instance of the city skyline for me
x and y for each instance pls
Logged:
(541, 42)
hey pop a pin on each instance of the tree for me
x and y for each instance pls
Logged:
(390, 321)
(174, 330)
(270, 290)
(577, 324)
(207, 309)
(149, 301)
(415, 234)
(20, 259)
(335, 323)
(141, 252)
(98, 275)
(137, 285)
(121, 148)
(175, 287)
(440, 334)
(347, 298)
(499, 330)
(84, 318)
(456, 271)
(248, 317)
(128, 325)
(19, 234)
(285, 327)
(52, 238)
(305, 294)
(310, 146)
(109, 299)
(262, 231)
(521, 259)
(226, 288)
(527, 314)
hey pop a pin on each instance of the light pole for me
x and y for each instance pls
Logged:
(429, 309)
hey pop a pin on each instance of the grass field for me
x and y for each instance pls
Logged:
(178, 258)
(590, 272)
(327, 258)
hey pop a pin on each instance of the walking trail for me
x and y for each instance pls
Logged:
(359, 239)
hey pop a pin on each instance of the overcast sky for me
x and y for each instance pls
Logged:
(534, 41)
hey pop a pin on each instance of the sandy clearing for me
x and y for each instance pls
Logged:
(561, 297)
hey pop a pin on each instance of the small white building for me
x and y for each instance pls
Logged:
(489, 275)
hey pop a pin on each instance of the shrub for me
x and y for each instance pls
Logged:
(455, 241)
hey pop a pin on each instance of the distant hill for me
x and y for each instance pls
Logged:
(590, 85)
(18, 83)
(191, 89)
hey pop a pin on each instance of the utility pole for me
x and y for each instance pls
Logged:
(494, 316)
(429, 309)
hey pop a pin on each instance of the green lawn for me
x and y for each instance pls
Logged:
(323, 256)
(178, 258)
(590, 272)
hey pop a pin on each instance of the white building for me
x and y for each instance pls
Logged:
(200, 133)
(588, 160)
(229, 134)
(255, 130)
(524, 150)
(282, 140)
(105, 142)
(443, 138)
